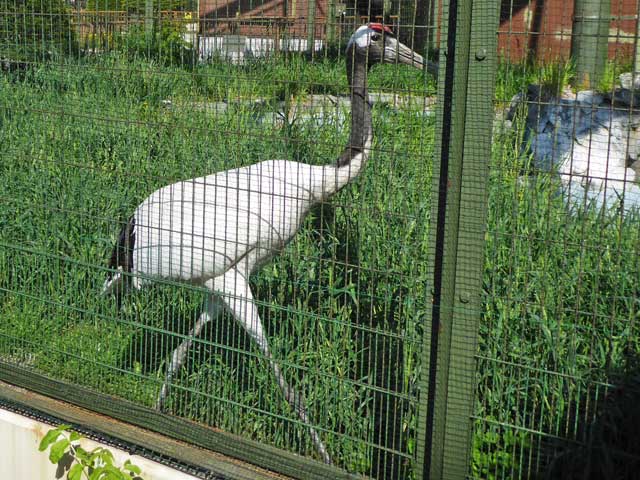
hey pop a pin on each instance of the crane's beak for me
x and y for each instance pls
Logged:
(396, 52)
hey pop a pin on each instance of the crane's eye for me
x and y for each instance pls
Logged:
(375, 37)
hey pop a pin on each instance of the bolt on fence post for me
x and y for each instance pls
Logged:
(459, 211)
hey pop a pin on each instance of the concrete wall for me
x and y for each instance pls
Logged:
(21, 460)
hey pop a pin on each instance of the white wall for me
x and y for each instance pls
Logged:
(21, 460)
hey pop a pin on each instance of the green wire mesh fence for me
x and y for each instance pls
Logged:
(105, 104)
(557, 364)
(465, 307)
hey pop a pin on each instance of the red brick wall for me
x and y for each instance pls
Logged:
(542, 28)
(539, 28)
(253, 13)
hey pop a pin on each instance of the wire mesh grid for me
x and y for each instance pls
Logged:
(104, 103)
(557, 363)
(314, 281)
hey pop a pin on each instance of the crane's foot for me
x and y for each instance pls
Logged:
(322, 450)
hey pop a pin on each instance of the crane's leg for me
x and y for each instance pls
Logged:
(234, 290)
(212, 310)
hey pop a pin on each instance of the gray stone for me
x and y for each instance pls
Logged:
(590, 141)
(630, 81)
(623, 97)
(589, 97)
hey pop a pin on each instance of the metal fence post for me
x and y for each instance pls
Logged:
(636, 57)
(148, 19)
(331, 23)
(311, 26)
(465, 102)
(590, 40)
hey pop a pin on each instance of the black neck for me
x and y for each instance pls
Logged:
(361, 128)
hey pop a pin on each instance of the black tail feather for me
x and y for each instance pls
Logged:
(122, 255)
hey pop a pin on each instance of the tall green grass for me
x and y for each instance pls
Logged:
(85, 142)
(560, 320)
(344, 305)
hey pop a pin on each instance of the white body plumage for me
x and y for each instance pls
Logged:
(197, 229)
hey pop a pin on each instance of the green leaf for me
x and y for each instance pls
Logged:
(114, 473)
(75, 473)
(96, 455)
(83, 456)
(130, 467)
(74, 436)
(58, 450)
(48, 439)
(52, 435)
(97, 473)
(105, 456)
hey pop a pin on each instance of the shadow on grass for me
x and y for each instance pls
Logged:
(611, 445)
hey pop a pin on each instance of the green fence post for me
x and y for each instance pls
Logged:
(636, 40)
(590, 40)
(434, 13)
(331, 23)
(311, 26)
(465, 117)
(148, 20)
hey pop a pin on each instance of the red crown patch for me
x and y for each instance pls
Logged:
(378, 27)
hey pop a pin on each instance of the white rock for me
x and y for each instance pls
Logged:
(629, 81)
(589, 97)
(588, 144)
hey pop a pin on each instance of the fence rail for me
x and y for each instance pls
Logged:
(104, 23)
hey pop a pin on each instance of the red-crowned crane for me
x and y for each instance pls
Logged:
(217, 230)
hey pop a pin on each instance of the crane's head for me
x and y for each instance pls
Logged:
(375, 43)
